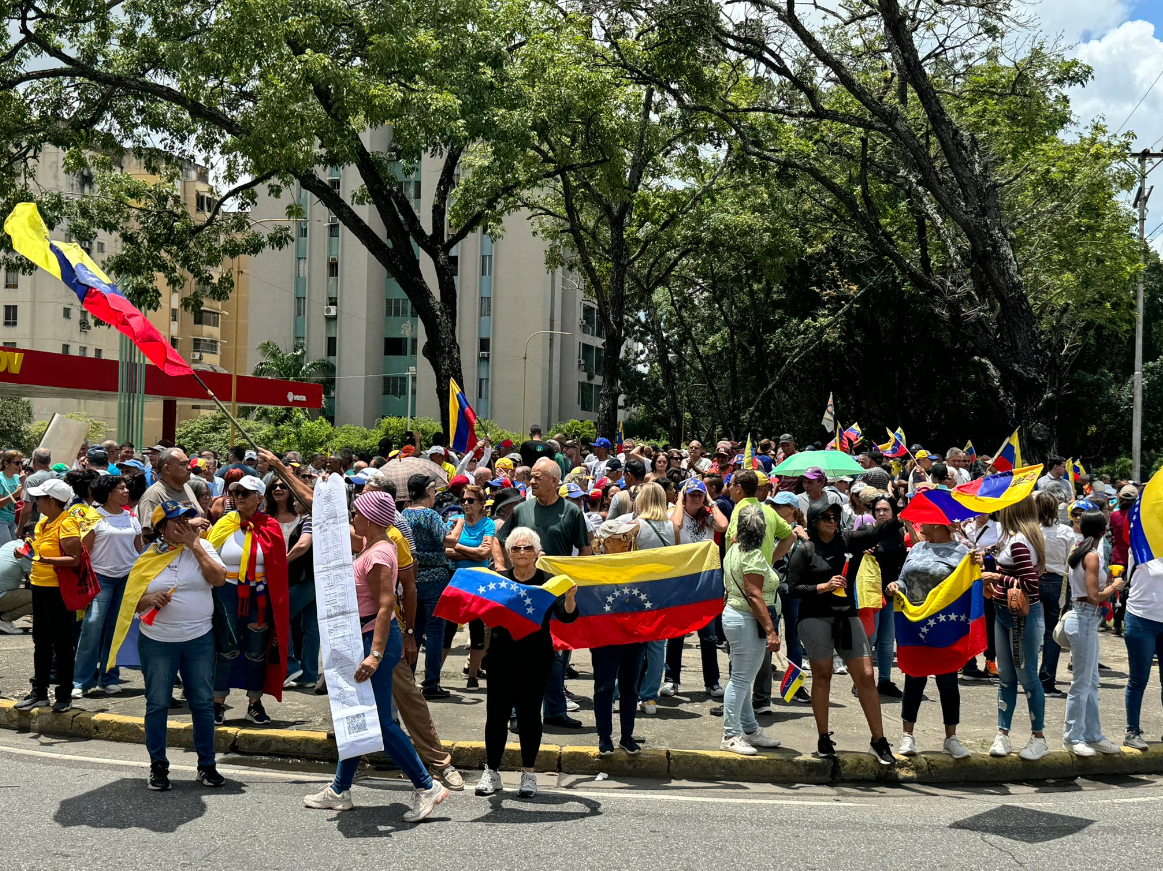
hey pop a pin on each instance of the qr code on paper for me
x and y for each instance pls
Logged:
(357, 724)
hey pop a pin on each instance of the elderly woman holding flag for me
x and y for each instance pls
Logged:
(170, 585)
(255, 597)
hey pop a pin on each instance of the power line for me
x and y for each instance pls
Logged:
(1140, 103)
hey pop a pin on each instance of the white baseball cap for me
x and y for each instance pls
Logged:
(250, 482)
(54, 487)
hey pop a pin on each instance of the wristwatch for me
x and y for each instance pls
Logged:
(409, 631)
(378, 654)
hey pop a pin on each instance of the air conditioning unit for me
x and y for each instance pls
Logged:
(86, 326)
(330, 311)
(484, 355)
(196, 356)
(331, 219)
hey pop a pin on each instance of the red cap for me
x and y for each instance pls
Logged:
(601, 483)
(408, 451)
(596, 493)
(458, 481)
(506, 445)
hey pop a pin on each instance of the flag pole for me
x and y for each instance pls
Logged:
(225, 411)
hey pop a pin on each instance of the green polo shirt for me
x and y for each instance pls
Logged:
(777, 527)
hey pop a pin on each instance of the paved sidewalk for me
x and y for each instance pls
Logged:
(683, 722)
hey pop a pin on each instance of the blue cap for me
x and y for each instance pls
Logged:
(621, 483)
(738, 460)
(765, 461)
(1082, 505)
(601, 443)
(573, 491)
(133, 464)
(784, 497)
(360, 478)
(497, 482)
(694, 485)
(171, 509)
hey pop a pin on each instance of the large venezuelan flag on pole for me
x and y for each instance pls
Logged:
(1147, 521)
(995, 492)
(96, 292)
(498, 601)
(942, 634)
(647, 595)
(1009, 455)
(462, 420)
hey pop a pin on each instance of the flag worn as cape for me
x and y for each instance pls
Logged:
(647, 595)
(146, 567)
(96, 292)
(265, 532)
(478, 593)
(942, 634)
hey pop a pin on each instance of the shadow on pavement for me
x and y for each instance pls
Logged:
(1023, 824)
(128, 804)
(547, 807)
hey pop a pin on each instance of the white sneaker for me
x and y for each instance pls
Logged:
(424, 801)
(838, 666)
(113, 689)
(908, 745)
(761, 739)
(1134, 740)
(330, 800)
(78, 693)
(490, 782)
(1081, 748)
(736, 744)
(528, 787)
(649, 708)
(571, 705)
(291, 678)
(668, 689)
(1106, 747)
(1001, 746)
(9, 628)
(955, 748)
(1035, 748)
(763, 709)
(24, 624)
(715, 692)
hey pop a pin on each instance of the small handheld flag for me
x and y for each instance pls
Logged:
(851, 437)
(895, 448)
(970, 451)
(793, 679)
(1009, 455)
(462, 420)
(829, 419)
(621, 436)
(748, 459)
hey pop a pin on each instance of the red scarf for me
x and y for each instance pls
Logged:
(268, 535)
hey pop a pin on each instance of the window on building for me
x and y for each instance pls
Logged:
(484, 344)
(591, 324)
(207, 318)
(206, 346)
(65, 349)
(411, 188)
(333, 231)
(395, 347)
(173, 341)
(300, 306)
(587, 395)
(67, 313)
(486, 264)
(11, 279)
(173, 315)
(486, 306)
(482, 389)
(9, 315)
(333, 268)
(98, 353)
(9, 344)
(331, 346)
(100, 247)
(302, 229)
(592, 358)
(398, 308)
(395, 385)
(84, 351)
(334, 182)
(301, 267)
(414, 340)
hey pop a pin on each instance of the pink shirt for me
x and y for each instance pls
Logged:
(382, 553)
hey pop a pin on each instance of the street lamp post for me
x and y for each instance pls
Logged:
(525, 367)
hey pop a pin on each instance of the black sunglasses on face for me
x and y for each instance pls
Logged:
(471, 501)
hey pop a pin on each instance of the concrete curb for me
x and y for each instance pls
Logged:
(782, 766)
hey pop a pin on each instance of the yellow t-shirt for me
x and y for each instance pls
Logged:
(403, 552)
(77, 522)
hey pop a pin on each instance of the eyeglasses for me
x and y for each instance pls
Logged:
(278, 486)
(521, 548)
(829, 518)
(471, 501)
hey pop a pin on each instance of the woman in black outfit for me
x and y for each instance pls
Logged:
(519, 671)
(828, 620)
(890, 553)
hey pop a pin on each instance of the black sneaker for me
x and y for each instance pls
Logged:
(1053, 693)
(219, 713)
(563, 721)
(255, 713)
(825, 746)
(572, 673)
(62, 705)
(717, 711)
(208, 776)
(882, 750)
(973, 672)
(605, 747)
(802, 696)
(630, 745)
(513, 726)
(472, 684)
(889, 690)
(159, 776)
(32, 700)
(437, 692)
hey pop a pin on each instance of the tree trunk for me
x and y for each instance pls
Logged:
(607, 422)
(443, 353)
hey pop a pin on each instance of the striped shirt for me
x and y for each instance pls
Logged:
(1018, 568)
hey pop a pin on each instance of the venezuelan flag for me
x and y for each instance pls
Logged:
(621, 436)
(994, 492)
(852, 436)
(942, 634)
(793, 679)
(1147, 521)
(462, 420)
(647, 595)
(1009, 455)
(481, 594)
(970, 451)
(95, 291)
(895, 448)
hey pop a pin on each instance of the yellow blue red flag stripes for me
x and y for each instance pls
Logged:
(940, 635)
(95, 291)
(793, 679)
(462, 420)
(481, 594)
(895, 448)
(645, 595)
(994, 492)
(1147, 521)
(1009, 455)
(970, 451)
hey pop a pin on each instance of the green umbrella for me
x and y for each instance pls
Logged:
(834, 463)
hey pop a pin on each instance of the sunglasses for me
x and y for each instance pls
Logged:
(521, 548)
(472, 501)
(829, 518)
(278, 486)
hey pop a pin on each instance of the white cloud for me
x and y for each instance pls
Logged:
(1076, 20)
(1126, 60)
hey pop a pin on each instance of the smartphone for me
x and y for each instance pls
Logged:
(989, 563)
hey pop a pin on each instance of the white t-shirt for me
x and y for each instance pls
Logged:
(231, 555)
(114, 547)
(1145, 598)
(596, 467)
(1059, 543)
(190, 613)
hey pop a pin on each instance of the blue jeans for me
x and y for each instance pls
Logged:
(651, 679)
(790, 609)
(396, 743)
(1049, 593)
(1144, 640)
(97, 635)
(1082, 722)
(617, 665)
(1009, 674)
(747, 650)
(430, 627)
(554, 704)
(251, 663)
(884, 641)
(160, 662)
(302, 601)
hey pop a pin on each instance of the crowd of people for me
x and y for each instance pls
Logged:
(205, 571)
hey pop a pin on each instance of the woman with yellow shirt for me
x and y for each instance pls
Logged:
(57, 542)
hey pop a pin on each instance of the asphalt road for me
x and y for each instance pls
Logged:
(84, 804)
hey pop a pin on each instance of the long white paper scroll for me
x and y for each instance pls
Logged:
(353, 705)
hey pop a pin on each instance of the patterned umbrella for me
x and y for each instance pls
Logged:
(398, 471)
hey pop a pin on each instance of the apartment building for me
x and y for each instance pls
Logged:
(327, 292)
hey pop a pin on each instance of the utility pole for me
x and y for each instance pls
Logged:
(1141, 197)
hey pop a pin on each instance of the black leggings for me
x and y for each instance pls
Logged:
(990, 652)
(517, 680)
(476, 634)
(950, 697)
(52, 634)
